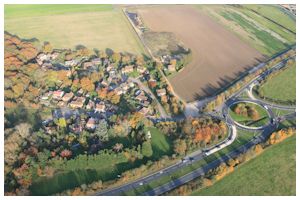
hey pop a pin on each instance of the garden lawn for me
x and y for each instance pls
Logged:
(282, 86)
(271, 173)
(161, 144)
(66, 26)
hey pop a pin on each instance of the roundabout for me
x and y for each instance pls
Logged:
(248, 114)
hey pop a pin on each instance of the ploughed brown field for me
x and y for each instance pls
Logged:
(218, 55)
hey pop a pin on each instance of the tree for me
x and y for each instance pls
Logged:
(47, 47)
(147, 149)
(87, 84)
(101, 131)
(18, 90)
(198, 136)
(187, 127)
(43, 157)
(24, 130)
(116, 57)
(66, 153)
(180, 146)
(95, 76)
(113, 97)
(102, 93)
(62, 123)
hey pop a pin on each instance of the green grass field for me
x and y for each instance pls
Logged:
(161, 145)
(244, 120)
(264, 35)
(271, 173)
(65, 26)
(282, 86)
(275, 13)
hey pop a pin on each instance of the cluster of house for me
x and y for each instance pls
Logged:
(78, 101)
(115, 79)
(78, 125)
(44, 60)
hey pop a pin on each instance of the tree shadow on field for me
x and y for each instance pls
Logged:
(33, 40)
(222, 84)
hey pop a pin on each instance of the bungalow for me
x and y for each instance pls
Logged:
(171, 68)
(39, 62)
(109, 67)
(90, 105)
(47, 65)
(164, 98)
(127, 69)
(54, 55)
(146, 103)
(141, 97)
(78, 103)
(58, 94)
(124, 86)
(152, 83)
(68, 96)
(144, 111)
(104, 83)
(61, 104)
(80, 92)
(119, 91)
(100, 107)
(91, 123)
(112, 73)
(87, 65)
(77, 128)
(161, 92)
(46, 95)
(71, 62)
(96, 61)
(141, 69)
(43, 57)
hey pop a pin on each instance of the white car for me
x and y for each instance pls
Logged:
(141, 183)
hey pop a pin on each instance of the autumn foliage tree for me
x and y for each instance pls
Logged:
(87, 84)
(180, 147)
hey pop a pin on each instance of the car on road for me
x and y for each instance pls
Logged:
(183, 160)
(273, 121)
(137, 92)
(191, 159)
(141, 183)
